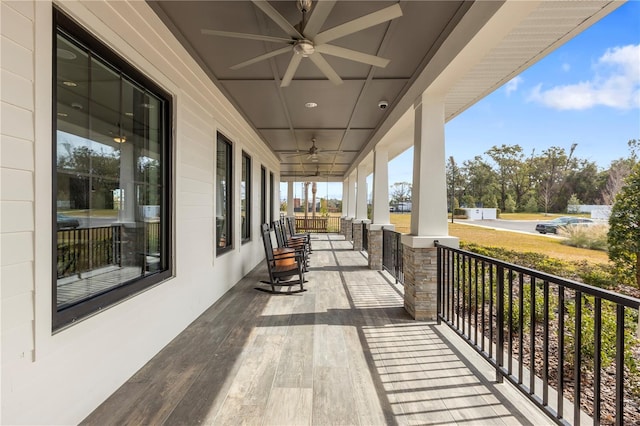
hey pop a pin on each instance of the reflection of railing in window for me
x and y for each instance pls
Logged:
(85, 249)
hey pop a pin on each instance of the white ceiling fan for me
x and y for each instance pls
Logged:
(313, 153)
(306, 41)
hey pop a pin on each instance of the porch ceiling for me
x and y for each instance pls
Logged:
(462, 50)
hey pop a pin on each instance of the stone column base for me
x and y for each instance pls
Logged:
(375, 249)
(357, 235)
(420, 282)
(348, 234)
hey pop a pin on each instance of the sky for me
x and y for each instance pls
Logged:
(586, 92)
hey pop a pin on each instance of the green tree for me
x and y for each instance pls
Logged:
(532, 205)
(513, 172)
(400, 192)
(551, 170)
(624, 228)
(573, 201)
(480, 180)
(490, 201)
(509, 204)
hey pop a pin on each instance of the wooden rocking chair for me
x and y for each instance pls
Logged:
(283, 266)
(299, 244)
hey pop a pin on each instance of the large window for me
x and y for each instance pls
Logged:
(263, 195)
(111, 188)
(245, 197)
(224, 191)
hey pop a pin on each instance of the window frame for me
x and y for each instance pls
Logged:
(271, 198)
(229, 239)
(67, 316)
(245, 231)
(263, 194)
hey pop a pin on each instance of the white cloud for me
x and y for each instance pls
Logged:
(616, 84)
(512, 85)
(566, 67)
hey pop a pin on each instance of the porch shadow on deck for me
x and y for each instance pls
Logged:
(344, 352)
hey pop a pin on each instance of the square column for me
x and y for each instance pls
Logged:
(361, 194)
(429, 210)
(290, 198)
(348, 229)
(351, 198)
(344, 207)
(380, 213)
(359, 227)
(374, 251)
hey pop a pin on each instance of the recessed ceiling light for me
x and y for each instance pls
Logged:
(70, 83)
(128, 114)
(62, 114)
(76, 105)
(120, 139)
(146, 105)
(311, 105)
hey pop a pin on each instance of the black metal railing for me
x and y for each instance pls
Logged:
(84, 249)
(558, 341)
(365, 237)
(392, 254)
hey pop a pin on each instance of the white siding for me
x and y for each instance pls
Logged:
(59, 379)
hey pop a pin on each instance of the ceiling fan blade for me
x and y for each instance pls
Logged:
(277, 18)
(375, 18)
(353, 55)
(319, 15)
(261, 58)
(291, 70)
(246, 36)
(326, 69)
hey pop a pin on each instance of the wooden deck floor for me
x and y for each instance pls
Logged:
(344, 352)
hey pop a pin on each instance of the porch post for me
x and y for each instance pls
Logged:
(351, 207)
(429, 210)
(361, 207)
(290, 198)
(345, 203)
(380, 215)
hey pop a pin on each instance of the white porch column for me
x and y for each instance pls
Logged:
(351, 206)
(290, 198)
(361, 219)
(344, 207)
(345, 198)
(428, 212)
(380, 215)
(361, 194)
(351, 198)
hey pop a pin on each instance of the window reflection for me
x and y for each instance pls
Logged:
(110, 180)
(224, 228)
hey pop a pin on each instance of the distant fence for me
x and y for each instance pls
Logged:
(318, 224)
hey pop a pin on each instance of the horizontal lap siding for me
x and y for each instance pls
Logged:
(16, 187)
(59, 379)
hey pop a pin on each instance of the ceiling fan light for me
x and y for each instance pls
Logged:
(304, 48)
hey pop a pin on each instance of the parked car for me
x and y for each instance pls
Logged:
(66, 222)
(551, 227)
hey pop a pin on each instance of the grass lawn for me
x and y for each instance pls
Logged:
(510, 240)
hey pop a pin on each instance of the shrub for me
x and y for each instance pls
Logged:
(589, 237)
(509, 204)
(531, 206)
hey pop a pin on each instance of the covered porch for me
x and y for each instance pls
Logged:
(344, 352)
